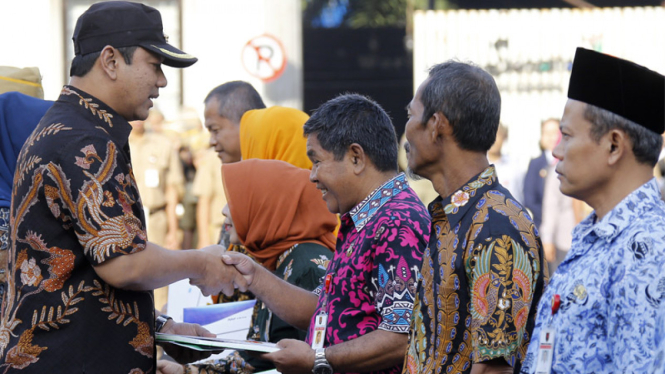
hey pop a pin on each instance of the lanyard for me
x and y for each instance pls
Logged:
(327, 287)
(556, 303)
(321, 320)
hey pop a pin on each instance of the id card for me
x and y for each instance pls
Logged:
(320, 330)
(152, 178)
(545, 351)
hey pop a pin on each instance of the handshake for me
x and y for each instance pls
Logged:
(222, 271)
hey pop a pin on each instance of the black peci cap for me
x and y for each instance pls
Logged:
(619, 86)
(125, 24)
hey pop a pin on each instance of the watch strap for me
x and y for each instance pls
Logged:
(321, 364)
(160, 321)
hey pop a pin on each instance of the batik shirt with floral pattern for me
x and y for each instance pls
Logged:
(75, 204)
(4, 246)
(612, 291)
(375, 266)
(481, 273)
(658, 362)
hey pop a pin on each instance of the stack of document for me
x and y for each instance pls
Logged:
(200, 343)
(228, 320)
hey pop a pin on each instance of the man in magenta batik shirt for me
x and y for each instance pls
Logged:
(359, 321)
(376, 265)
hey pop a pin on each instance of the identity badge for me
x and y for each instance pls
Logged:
(545, 351)
(152, 178)
(320, 330)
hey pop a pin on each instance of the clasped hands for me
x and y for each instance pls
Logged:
(223, 271)
(232, 270)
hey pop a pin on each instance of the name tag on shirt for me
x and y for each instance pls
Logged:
(319, 330)
(152, 178)
(545, 351)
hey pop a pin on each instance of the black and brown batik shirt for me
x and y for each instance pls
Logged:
(75, 205)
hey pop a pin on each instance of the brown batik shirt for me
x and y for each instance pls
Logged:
(482, 277)
(75, 204)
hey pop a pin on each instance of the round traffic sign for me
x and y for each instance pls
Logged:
(264, 57)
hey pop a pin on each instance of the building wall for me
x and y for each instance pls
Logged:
(530, 51)
(38, 33)
(216, 31)
(32, 36)
(370, 61)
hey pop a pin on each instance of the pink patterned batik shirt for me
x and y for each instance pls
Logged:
(376, 265)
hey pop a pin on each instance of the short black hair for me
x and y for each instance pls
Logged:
(468, 96)
(82, 64)
(353, 118)
(235, 98)
(646, 143)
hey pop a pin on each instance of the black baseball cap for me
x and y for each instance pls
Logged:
(619, 86)
(125, 24)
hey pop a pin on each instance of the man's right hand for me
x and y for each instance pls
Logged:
(245, 266)
(276, 293)
(217, 276)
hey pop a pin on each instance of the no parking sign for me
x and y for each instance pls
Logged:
(264, 57)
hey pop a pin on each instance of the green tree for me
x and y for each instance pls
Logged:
(371, 13)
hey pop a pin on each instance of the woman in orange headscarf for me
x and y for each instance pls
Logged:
(275, 133)
(279, 217)
(274, 207)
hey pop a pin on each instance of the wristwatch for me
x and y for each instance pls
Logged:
(321, 365)
(160, 321)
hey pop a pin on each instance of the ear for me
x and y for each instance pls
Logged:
(438, 127)
(357, 158)
(618, 144)
(109, 59)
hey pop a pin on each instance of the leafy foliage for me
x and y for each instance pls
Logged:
(365, 13)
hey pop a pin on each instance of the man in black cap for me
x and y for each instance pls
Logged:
(599, 313)
(81, 269)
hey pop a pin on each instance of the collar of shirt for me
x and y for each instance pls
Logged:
(363, 212)
(628, 210)
(101, 114)
(456, 205)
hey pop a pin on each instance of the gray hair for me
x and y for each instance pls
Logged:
(646, 143)
(469, 98)
(235, 98)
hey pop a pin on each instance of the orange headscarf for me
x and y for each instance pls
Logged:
(275, 133)
(274, 206)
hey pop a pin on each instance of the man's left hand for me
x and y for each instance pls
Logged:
(294, 357)
(181, 354)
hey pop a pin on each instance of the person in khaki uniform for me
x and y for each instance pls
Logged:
(159, 175)
(161, 183)
(209, 190)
